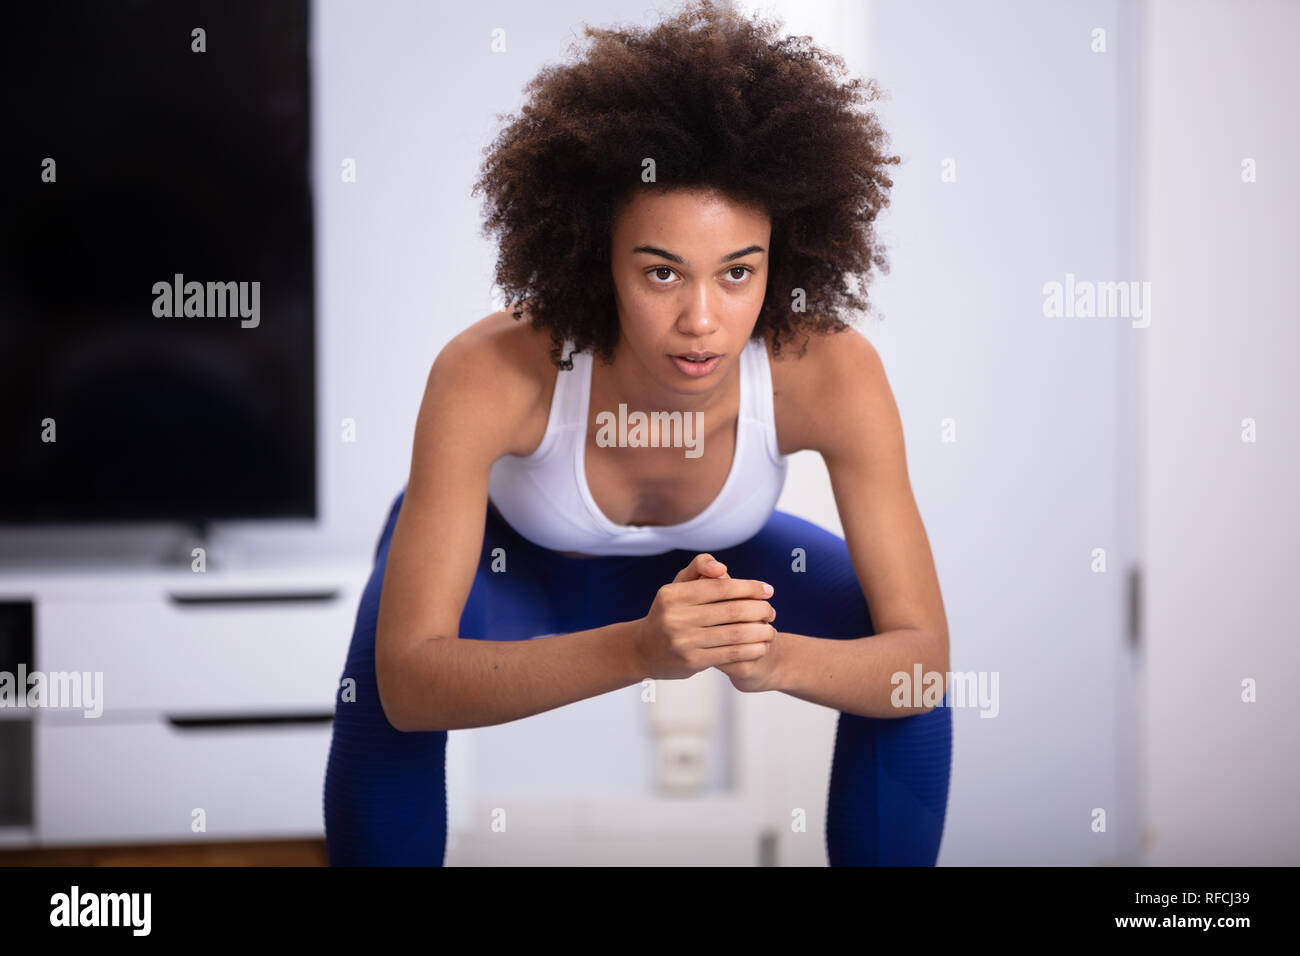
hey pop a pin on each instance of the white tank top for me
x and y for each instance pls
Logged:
(544, 496)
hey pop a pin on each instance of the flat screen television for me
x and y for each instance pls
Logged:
(157, 342)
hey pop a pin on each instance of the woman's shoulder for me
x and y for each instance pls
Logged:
(500, 338)
(506, 364)
(813, 374)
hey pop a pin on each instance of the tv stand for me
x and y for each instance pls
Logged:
(215, 694)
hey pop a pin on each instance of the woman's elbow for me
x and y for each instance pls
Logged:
(393, 700)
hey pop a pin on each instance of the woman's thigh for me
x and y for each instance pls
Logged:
(888, 792)
(526, 591)
(385, 797)
(385, 790)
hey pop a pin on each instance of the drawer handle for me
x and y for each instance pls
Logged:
(245, 720)
(265, 597)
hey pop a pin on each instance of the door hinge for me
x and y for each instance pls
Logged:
(1134, 605)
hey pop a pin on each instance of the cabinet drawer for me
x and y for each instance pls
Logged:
(101, 782)
(205, 658)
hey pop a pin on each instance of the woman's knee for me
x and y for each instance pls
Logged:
(816, 588)
(385, 797)
(889, 789)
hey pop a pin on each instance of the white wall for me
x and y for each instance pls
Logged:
(1221, 778)
(1040, 128)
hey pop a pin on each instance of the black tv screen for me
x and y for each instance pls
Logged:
(157, 346)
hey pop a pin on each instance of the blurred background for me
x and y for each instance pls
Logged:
(1109, 489)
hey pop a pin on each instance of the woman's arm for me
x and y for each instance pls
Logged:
(454, 684)
(478, 394)
(846, 411)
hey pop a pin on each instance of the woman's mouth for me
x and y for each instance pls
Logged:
(697, 364)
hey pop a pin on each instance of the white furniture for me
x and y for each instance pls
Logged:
(218, 694)
(218, 690)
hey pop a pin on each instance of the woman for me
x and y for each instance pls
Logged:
(671, 210)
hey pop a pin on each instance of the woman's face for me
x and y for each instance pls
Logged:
(689, 270)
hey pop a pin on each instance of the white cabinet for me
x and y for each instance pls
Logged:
(204, 658)
(217, 699)
(149, 781)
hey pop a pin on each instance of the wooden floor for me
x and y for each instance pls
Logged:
(269, 853)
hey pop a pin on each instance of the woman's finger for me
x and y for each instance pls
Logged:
(702, 566)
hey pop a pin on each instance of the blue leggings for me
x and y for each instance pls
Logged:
(385, 791)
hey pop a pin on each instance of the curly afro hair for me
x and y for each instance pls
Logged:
(718, 102)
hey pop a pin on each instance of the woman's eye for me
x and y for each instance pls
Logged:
(661, 275)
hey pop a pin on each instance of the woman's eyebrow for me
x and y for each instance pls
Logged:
(655, 251)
